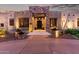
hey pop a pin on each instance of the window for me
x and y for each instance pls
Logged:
(1, 24)
(78, 22)
(23, 22)
(11, 22)
(53, 22)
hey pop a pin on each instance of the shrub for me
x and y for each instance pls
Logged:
(2, 31)
(72, 31)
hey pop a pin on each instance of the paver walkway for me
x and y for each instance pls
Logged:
(40, 45)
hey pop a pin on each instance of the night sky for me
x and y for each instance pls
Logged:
(14, 7)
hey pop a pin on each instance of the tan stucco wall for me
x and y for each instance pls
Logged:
(73, 19)
(56, 14)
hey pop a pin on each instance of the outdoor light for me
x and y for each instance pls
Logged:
(70, 24)
(2, 35)
(17, 23)
(56, 33)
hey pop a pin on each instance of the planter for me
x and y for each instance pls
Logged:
(56, 33)
(73, 32)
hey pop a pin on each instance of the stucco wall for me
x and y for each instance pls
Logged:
(21, 14)
(71, 17)
(56, 14)
(4, 20)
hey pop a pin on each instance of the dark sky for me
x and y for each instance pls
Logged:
(18, 6)
(13, 7)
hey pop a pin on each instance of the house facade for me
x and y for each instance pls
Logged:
(39, 18)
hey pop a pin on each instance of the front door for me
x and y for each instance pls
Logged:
(39, 24)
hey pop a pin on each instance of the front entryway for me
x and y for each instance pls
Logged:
(39, 24)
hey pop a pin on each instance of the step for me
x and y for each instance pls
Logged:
(39, 33)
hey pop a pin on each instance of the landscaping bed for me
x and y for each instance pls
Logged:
(10, 37)
(73, 32)
(6, 36)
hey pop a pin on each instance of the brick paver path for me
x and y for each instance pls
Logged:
(40, 45)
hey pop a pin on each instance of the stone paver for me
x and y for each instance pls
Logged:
(39, 32)
(40, 45)
(37, 44)
(66, 46)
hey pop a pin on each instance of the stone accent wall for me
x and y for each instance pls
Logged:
(47, 22)
(40, 9)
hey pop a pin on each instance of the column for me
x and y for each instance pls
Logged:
(17, 23)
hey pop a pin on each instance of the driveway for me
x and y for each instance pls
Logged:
(40, 45)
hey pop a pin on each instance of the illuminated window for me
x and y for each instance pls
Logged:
(78, 22)
(11, 22)
(23, 22)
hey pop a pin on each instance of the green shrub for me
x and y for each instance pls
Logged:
(72, 31)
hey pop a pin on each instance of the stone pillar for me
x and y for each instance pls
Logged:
(44, 22)
(17, 23)
(30, 23)
(47, 22)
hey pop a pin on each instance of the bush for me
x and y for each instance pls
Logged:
(2, 31)
(72, 31)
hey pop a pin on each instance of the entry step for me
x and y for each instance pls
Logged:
(39, 33)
